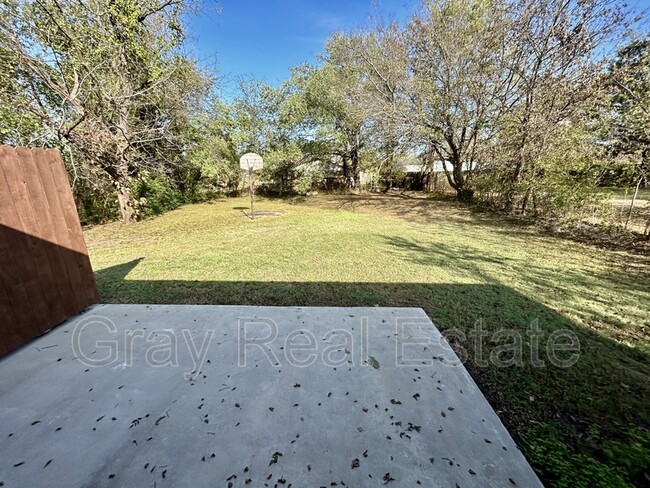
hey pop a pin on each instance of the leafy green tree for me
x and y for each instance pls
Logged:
(107, 78)
(628, 86)
(380, 57)
(213, 156)
(458, 60)
(625, 117)
(267, 120)
(17, 126)
(553, 49)
(333, 107)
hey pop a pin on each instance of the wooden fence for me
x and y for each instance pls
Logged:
(45, 273)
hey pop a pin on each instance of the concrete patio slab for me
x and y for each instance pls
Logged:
(209, 396)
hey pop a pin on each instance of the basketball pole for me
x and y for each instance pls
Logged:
(251, 162)
(250, 180)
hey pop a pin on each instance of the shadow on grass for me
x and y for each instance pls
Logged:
(586, 422)
(429, 207)
(594, 289)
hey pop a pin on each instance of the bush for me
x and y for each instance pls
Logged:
(558, 184)
(96, 200)
(157, 194)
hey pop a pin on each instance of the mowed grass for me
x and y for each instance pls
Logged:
(585, 425)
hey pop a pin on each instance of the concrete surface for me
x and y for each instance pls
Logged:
(346, 412)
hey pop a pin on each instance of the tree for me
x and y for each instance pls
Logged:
(458, 59)
(267, 120)
(332, 104)
(627, 112)
(380, 57)
(17, 127)
(628, 86)
(554, 50)
(107, 78)
(213, 154)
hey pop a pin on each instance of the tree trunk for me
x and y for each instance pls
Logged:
(463, 191)
(345, 167)
(524, 203)
(465, 194)
(354, 159)
(455, 177)
(389, 183)
(128, 206)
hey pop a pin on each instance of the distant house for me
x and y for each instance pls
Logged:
(416, 166)
(420, 176)
(439, 168)
(411, 168)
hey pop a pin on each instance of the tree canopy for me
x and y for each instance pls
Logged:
(521, 105)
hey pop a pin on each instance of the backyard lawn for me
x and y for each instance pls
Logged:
(584, 425)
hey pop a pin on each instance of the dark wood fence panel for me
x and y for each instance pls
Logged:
(45, 273)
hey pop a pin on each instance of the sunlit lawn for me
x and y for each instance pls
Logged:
(580, 426)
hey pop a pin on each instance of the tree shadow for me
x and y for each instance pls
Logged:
(591, 289)
(466, 259)
(431, 207)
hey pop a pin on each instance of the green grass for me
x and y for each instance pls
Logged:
(626, 193)
(585, 425)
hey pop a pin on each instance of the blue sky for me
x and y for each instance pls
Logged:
(265, 38)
